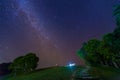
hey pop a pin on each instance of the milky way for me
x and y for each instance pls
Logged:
(29, 12)
(53, 29)
(48, 48)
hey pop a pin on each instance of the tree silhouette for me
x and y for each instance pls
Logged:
(24, 64)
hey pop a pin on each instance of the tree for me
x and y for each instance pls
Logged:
(89, 50)
(31, 61)
(116, 13)
(116, 32)
(97, 52)
(17, 66)
(107, 56)
(82, 53)
(104, 52)
(24, 64)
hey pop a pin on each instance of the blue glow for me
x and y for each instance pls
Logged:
(71, 64)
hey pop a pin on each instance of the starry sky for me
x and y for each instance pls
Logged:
(53, 29)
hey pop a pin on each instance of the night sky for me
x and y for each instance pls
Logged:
(53, 29)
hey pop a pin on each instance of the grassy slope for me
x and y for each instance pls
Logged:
(105, 72)
(64, 73)
(56, 73)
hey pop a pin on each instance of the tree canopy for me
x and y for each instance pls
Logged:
(24, 64)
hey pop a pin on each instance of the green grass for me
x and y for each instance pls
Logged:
(65, 73)
(105, 72)
(55, 73)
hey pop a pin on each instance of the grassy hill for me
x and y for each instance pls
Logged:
(105, 72)
(65, 73)
(54, 73)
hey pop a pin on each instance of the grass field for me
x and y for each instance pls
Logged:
(54, 73)
(106, 73)
(65, 73)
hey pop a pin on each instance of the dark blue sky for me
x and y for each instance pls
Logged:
(53, 29)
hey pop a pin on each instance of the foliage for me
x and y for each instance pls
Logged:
(82, 53)
(116, 14)
(31, 61)
(24, 64)
(91, 48)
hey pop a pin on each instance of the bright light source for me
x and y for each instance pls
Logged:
(72, 64)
